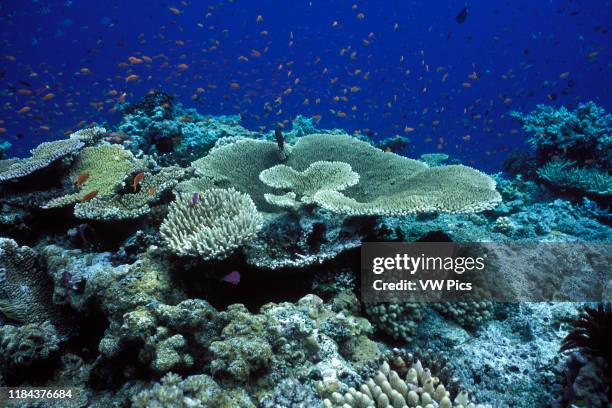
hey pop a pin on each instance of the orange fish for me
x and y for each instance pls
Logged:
(89, 196)
(25, 109)
(183, 66)
(132, 77)
(135, 60)
(48, 96)
(81, 179)
(174, 10)
(151, 191)
(137, 179)
(24, 92)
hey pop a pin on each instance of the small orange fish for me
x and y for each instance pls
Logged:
(81, 179)
(89, 196)
(24, 92)
(137, 179)
(183, 66)
(25, 109)
(174, 10)
(151, 191)
(48, 96)
(132, 77)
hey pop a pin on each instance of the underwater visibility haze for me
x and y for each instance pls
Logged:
(186, 188)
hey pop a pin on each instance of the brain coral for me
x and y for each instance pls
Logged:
(211, 227)
(42, 156)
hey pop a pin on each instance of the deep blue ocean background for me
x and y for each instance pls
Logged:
(378, 67)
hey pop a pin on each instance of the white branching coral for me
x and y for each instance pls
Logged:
(211, 225)
(320, 175)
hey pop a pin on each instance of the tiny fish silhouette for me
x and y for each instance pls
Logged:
(195, 199)
(462, 15)
(232, 277)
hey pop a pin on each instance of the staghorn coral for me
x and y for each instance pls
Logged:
(419, 388)
(27, 344)
(562, 173)
(42, 156)
(212, 228)
(106, 166)
(321, 175)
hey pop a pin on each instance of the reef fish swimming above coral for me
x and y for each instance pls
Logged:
(189, 191)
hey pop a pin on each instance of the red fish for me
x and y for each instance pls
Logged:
(137, 179)
(89, 196)
(82, 179)
(233, 277)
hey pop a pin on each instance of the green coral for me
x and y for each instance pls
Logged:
(212, 228)
(321, 175)
(562, 173)
(130, 204)
(42, 156)
(89, 136)
(388, 184)
(27, 344)
(106, 167)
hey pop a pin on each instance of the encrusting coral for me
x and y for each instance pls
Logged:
(27, 344)
(210, 225)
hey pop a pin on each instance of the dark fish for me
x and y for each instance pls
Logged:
(25, 83)
(280, 139)
(195, 199)
(462, 15)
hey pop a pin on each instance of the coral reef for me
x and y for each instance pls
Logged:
(27, 344)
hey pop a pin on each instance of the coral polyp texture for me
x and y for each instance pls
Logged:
(212, 225)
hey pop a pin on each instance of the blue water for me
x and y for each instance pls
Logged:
(417, 57)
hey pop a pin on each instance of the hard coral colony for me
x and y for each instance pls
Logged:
(175, 258)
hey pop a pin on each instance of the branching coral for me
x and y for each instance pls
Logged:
(89, 136)
(213, 226)
(42, 156)
(562, 173)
